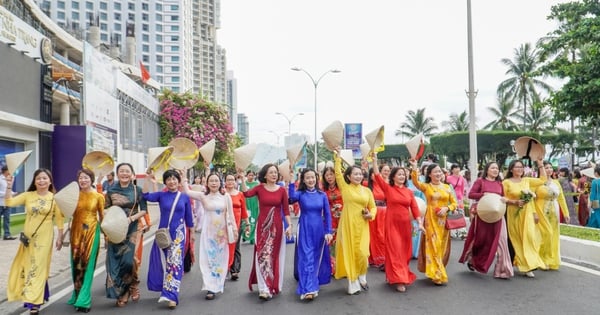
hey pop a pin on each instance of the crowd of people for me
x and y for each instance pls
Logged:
(350, 219)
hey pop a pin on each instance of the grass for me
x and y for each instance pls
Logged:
(591, 234)
(16, 223)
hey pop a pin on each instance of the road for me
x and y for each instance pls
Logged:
(568, 291)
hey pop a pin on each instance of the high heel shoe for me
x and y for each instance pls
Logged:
(134, 292)
(172, 305)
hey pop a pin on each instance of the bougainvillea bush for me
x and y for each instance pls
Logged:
(190, 116)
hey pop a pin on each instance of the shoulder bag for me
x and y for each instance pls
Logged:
(455, 220)
(163, 236)
(24, 238)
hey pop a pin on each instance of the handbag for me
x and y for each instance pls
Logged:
(595, 204)
(455, 220)
(163, 236)
(24, 238)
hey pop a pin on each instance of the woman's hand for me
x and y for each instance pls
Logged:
(367, 214)
(413, 163)
(442, 211)
(59, 242)
(288, 232)
(421, 227)
(328, 238)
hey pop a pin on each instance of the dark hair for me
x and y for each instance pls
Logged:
(4, 168)
(597, 169)
(453, 166)
(370, 179)
(393, 173)
(302, 185)
(263, 172)
(432, 157)
(220, 183)
(509, 173)
(567, 173)
(32, 186)
(323, 180)
(88, 173)
(487, 167)
(577, 173)
(171, 173)
(430, 168)
(250, 171)
(125, 164)
(348, 172)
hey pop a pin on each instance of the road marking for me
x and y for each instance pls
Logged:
(69, 289)
(581, 268)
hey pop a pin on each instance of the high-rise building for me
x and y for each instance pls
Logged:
(243, 128)
(232, 100)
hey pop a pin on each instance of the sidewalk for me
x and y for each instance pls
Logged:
(60, 267)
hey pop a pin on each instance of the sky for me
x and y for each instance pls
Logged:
(394, 56)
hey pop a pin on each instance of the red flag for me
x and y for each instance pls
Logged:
(145, 73)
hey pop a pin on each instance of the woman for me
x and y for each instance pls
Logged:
(85, 240)
(175, 215)
(522, 217)
(377, 246)
(252, 205)
(269, 249)
(240, 213)
(435, 246)
(566, 183)
(199, 185)
(549, 202)
(583, 188)
(28, 275)
(458, 184)
(352, 252)
(398, 226)
(121, 266)
(312, 264)
(594, 219)
(336, 204)
(487, 241)
(213, 257)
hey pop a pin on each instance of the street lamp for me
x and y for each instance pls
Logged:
(276, 135)
(289, 120)
(572, 151)
(316, 85)
(596, 149)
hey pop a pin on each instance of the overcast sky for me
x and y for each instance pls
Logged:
(394, 56)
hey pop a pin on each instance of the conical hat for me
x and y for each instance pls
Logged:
(490, 208)
(67, 198)
(15, 160)
(415, 146)
(365, 150)
(244, 155)
(529, 148)
(185, 153)
(115, 224)
(207, 150)
(320, 167)
(284, 170)
(589, 172)
(99, 162)
(375, 138)
(347, 156)
(333, 135)
(159, 171)
(422, 207)
(294, 153)
(158, 157)
(197, 188)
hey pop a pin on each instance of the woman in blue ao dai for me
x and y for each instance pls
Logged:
(311, 260)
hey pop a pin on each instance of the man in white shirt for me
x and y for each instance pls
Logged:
(4, 210)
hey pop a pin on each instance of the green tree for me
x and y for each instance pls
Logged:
(504, 112)
(574, 53)
(457, 122)
(416, 123)
(524, 71)
(539, 118)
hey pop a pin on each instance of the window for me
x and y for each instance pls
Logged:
(60, 5)
(103, 16)
(175, 38)
(159, 17)
(117, 16)
(117, 27)
(89, 5)
(145, 58)
(104, 37)
(103, 6)
(158, 27)
(145, 6)
(145, 38)
(174, 7)
(145, 27)
(174, 17)
(174, 28)
(60, 15)
(145, 48)
(159, 78)
(175, 89)
(131, 16)
(131, 6)
(75, 16)
(117, 6)
(159, 38)
(174, 58)
(159, 48)
(159, 69)
(158, 7)
(174, 48)
(75, 5)
(144, 17)
(175, 68)
(104, 26)
(175, 79)
(159, 58)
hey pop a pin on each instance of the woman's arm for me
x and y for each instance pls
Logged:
(476, 190)
(293, 194)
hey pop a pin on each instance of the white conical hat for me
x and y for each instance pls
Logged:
(347, 156)
(490, 208)
(115, 224)
(529, 148)
(207, 150)
(244, 155)
(320, 167)
(333, 135)
(284, 170)
(294, 153)
(589, 172)
(375, 138)
(415, 146)
(99, 162)
(15, 160)
(67, 198)
(422, 207)
(185, 153)
(365, 150)
(158, 157)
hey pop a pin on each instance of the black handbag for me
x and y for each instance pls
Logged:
(24, 238)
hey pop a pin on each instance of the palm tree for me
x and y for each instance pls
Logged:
(538, 118)
(457, 122)
(416, 123)
(504, 112)
(524, 71)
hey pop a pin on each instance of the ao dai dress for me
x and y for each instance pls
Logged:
(594, 217)
(167, 280)
(522, 230)
(377, 245)
(352, 249)
(548, 202)
(311, 264)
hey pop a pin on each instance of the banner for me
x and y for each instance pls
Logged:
(353, 138)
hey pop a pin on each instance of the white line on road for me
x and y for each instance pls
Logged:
(581, 268)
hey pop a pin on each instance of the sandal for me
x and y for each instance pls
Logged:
(34, 311)
(401, 288)
(121, 302)
(134, 292)
(172, 305)
(210, 296)
(235, 276)
(364, 286)
(309, 297)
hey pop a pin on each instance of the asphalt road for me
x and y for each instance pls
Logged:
(568, 291)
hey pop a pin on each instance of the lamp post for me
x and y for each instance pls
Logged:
(276, 135)
(316, 85)
(572, 151)
(596, 149)
(289, 120)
